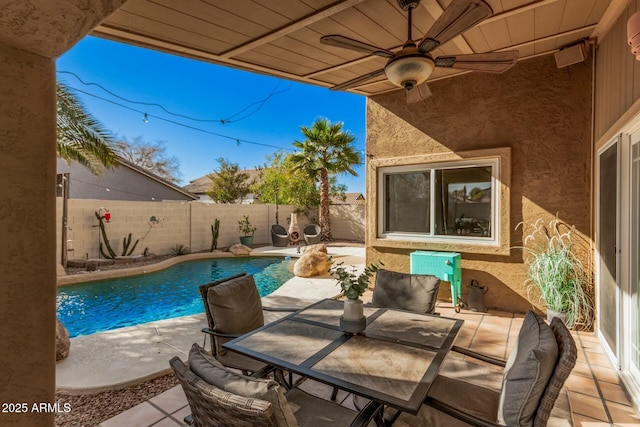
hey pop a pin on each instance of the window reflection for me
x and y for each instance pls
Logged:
(407, 202)
(463, 201)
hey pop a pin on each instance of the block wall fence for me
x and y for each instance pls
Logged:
(183, 223)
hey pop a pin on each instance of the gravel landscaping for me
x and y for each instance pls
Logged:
(92, 409)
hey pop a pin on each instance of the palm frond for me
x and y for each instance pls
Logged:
(79, 135)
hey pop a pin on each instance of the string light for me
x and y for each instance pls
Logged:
(145, 118)
(181, 124)
(260, 103)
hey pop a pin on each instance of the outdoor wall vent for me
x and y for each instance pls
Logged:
(570, 55)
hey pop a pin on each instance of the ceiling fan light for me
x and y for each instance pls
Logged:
(409, 70)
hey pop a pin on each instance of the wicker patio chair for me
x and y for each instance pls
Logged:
(233, 307)
(312, 234)
(279, 236)
(218, 401)
(457, 401)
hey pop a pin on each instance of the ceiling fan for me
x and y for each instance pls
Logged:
(412, 65)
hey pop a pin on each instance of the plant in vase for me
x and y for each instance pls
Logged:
(353, 286)
(245, 227)
(556, 276)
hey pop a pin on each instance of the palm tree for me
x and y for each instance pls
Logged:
(79, 135)
(327, 150)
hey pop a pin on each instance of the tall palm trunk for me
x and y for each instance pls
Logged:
(324, 220)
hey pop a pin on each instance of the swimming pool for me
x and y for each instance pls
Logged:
(115, 303)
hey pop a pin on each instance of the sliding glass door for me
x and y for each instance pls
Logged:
(608, 290)
(618, 261)
(634, 301)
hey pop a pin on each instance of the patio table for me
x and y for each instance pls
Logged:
(394, 361)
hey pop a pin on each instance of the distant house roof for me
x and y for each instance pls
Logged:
(123, 181)
(350, 199)
(200, 186)
(203, 184)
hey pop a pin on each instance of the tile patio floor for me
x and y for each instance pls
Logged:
(596, 395)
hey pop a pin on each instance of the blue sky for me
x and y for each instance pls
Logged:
(203, 91)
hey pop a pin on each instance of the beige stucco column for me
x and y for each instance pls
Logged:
(27, 230)
(33, 33)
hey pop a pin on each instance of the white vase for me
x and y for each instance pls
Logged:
(353, 320)
(353, 309)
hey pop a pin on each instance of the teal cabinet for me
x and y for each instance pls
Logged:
(445, 265)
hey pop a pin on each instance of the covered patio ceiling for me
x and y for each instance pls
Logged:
(282, 37)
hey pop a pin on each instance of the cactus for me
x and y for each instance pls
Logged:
(215, 231)
(126, 242)
(104, 255)
(112, 254)
(134, 247)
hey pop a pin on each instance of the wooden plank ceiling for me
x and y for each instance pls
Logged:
(281, 37)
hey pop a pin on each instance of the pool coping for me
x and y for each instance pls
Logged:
(138, 270)
(264, 251)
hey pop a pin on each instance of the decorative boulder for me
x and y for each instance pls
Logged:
(312, 263)
(319, 247)
(62, 341)
(240, 249)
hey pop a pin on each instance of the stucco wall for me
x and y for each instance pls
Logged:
(184, 223)
(347, 222)
(27, 286)
(541, 112)
(32, 35)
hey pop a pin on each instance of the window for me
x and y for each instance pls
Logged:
(440, 201)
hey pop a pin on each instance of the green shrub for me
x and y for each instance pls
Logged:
(180, 249)
(556, 276)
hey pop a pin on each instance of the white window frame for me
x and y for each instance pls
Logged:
(494, 240)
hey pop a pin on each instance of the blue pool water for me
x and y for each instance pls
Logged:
(115, 303)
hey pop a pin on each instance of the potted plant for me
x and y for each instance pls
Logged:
(353, 286)
(245, 227)
(556, 276)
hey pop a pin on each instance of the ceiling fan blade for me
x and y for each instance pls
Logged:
(418, 93)
(494, 62)
(456, 19)
(347, 43)
(355, 82)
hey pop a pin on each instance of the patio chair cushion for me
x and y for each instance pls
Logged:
(211, 406)
(214, 373)
(279, 230)
(470, 398)
(462, 368)
(527, 372)
(413, 292)
(235, 296)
